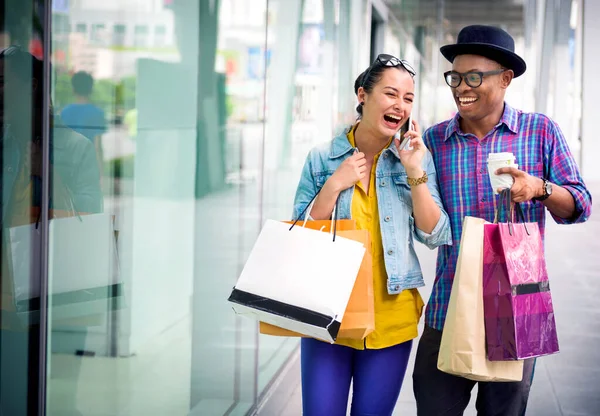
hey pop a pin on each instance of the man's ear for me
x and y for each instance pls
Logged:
(506, 78)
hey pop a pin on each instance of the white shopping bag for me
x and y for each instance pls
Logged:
(298, 279)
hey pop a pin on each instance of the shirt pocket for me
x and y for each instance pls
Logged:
(534, 169)
(403, 189)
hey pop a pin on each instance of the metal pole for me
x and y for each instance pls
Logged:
(45, 229)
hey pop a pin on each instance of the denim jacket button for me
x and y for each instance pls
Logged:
(396, 287)
(387, 219)
(382, 183)
(390, 252)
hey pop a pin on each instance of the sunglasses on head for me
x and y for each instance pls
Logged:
(389, 61)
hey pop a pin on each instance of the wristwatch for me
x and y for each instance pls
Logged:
(547, 187)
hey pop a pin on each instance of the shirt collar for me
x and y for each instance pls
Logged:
(509, 119)
(341, 145)
(453, 127)
(345, 142)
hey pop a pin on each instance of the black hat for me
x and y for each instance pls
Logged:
(489, 41)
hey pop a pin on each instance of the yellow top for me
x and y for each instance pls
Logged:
(396, 316)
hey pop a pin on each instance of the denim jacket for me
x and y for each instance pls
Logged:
(394, 200)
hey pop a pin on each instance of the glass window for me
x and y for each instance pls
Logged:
(119, 33)
(157, 202)
(141, 35)
(81, 28)
(160, 36)
(98, 33)
(141, 30)
(22, 201)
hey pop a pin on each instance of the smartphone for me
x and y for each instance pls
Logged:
(404, 141)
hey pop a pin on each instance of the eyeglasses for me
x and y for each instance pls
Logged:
(473, 79)
(389, 61)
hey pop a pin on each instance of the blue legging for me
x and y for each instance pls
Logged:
(327, 370)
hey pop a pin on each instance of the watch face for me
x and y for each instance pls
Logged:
(548, 188)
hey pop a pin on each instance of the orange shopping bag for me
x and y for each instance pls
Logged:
(359, 317)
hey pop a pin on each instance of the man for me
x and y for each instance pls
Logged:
(85, 117)
(483, 66)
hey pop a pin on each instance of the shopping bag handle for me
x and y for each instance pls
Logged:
(505, 206)
(511, 209)
(306, 212)
(72, 207)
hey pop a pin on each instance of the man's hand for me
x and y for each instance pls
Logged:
(526, 187)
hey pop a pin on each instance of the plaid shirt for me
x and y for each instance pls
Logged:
(461, 161)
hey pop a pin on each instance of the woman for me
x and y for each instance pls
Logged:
(392, 192)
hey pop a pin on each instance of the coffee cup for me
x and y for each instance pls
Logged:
(500, 160)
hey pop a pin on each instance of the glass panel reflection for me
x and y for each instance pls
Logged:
(22, 182)
(157, 99)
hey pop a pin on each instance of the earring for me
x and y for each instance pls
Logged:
(362, 103)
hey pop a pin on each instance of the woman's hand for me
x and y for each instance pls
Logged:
(349, 172)
(345, 176)
(411, 159)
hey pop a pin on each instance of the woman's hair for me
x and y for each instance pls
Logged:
(374, 74)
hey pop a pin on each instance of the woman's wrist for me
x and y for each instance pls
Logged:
(415, 173)
(333, 186)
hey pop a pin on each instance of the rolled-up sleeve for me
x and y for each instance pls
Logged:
(562, 170)
(441, 233)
